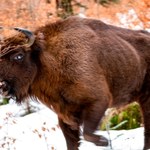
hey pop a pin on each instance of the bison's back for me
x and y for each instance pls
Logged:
(98, 49)
(90, 51)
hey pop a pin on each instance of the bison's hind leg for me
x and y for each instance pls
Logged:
(145, 106)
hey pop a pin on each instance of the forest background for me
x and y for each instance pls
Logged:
(34, 13)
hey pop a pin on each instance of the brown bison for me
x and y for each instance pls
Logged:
(79, 67)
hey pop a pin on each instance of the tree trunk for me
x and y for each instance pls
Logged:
(64, 8)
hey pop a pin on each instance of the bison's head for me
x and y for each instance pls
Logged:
(17, 65)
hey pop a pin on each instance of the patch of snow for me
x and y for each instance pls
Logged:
(130, 20)
(40, 131)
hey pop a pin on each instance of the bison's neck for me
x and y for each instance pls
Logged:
(45, 86)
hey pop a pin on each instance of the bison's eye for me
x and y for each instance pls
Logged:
(17, 57)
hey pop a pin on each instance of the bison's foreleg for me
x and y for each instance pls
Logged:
(71, 136)
(91, 120)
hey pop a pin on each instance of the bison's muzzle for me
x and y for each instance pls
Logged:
(5, 89)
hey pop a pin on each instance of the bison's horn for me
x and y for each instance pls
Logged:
(28, 34)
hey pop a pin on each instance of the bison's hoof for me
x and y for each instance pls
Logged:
(102, 141)
(96, 139)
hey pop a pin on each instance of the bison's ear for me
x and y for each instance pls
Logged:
(28, 34)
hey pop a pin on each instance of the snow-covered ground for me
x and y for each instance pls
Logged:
(40, 131)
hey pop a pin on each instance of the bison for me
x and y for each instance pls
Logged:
(78, 67)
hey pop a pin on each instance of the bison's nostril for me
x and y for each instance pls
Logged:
(3, 84)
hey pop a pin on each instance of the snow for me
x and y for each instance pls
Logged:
(40, 131)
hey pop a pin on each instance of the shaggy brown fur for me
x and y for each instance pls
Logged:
(80, 67)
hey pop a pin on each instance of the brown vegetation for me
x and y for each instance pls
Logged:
(33, 13)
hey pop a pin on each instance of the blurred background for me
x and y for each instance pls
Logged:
(34, 13)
